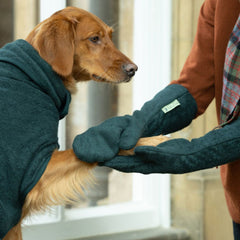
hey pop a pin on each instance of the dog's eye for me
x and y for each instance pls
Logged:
(95, 39)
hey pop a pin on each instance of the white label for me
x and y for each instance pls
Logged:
(171, 106)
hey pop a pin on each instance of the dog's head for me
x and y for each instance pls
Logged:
(78, 45)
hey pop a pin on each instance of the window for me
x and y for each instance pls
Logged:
(150, 203)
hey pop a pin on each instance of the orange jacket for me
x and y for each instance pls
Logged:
(202, 75)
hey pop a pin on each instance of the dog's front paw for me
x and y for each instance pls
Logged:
(147, 141)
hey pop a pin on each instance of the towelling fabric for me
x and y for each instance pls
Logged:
(32, 100)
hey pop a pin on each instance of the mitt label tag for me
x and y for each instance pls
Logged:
(171, 106)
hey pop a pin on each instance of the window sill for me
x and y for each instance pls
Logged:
(149, 234)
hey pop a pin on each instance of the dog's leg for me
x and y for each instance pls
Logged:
(64, 177)
(147, 141)
(15, 233)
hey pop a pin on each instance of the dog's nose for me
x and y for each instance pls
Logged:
(130, 69)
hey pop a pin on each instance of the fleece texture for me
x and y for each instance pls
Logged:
(32, 100)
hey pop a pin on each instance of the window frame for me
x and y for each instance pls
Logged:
(150, 206)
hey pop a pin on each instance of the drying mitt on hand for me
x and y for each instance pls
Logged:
(170, 110)
(179, 156)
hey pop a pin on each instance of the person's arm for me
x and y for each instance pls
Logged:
(180, 156)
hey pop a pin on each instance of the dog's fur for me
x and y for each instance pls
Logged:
(78, 46)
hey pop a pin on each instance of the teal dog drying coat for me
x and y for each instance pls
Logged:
(32, 100)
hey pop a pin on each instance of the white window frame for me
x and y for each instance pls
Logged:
(150, 206)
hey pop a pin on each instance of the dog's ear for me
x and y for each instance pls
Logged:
(54, 40)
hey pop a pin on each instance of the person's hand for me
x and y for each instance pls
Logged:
(100, 143)
(179, 156)
(170, 110)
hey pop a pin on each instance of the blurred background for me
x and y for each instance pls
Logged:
(196, 200)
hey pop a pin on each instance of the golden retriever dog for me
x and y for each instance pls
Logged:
(78, 47)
